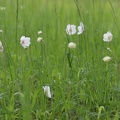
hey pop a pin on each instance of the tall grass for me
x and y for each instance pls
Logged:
(82, 85)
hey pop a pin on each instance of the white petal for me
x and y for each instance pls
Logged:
(80, 28)
(47, 91)
(22, 38)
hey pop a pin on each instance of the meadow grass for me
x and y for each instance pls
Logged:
(83, 86)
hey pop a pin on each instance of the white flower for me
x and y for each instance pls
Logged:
(39, 39)
(71, 29)
(80, 28)
(1, 47)
(107, 37)
(107, 59)
(47, 91)
(25, 41)
(71, 45)
(39, 32)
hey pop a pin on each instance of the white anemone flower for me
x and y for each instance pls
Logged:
(47, 91)
(71, 45)
(25, 41)
(107, 59)
(71, 29)
(80, 28)
(39, 39)
(1, 47)
(107, 37)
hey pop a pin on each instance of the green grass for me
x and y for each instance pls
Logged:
(78, 91)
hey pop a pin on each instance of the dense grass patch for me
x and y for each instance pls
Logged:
(82, 85)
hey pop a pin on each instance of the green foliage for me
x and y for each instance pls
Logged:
(83, 86)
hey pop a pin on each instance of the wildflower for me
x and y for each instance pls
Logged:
(71, 29)
(25, 41)
(39, 32)
(1, 47)
(71, 45)
(107, 59)
(47, 91)
(80, 28)
(39, 39)
(107, 37)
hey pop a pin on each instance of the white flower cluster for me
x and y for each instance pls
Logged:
(25, 41)
(107, 37)
(71, 30)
